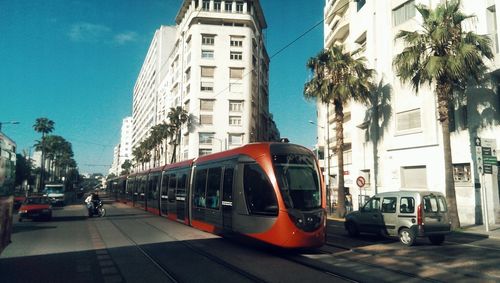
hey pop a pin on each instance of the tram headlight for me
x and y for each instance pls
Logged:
(307, 221)
(297, 218)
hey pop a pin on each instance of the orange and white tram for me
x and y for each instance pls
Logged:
(271, 192)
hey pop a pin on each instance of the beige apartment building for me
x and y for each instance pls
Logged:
(214, 64)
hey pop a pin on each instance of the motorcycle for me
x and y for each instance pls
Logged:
(96, 208)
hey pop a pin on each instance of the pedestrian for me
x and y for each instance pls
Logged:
(348, 202)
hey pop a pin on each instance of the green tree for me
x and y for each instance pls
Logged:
(126, 166)
(443, 55)
(177, 118)
(43, 126)
(338, 77)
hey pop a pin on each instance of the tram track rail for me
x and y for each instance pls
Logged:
(171, 274)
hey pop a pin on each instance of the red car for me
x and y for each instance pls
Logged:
(35, 207)
(19, 198)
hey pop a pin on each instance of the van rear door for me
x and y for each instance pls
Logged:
(435, 214)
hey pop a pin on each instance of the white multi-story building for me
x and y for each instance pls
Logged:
(403, 149)
(123, 151)
(216, 68)
(146, 96)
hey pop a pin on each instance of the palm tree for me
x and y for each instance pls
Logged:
(339, 76)
(126, 166)
(44, 126)
(443, 55)
(177, 117)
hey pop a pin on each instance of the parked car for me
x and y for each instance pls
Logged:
(35, 207)
(19, 198)
(404, 214)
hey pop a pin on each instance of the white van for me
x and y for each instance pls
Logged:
(56, 193)
(405, 214)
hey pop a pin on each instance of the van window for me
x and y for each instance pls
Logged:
(407, 205)
(442, 204)
(430, 204)
(372, 205)
(389, 205)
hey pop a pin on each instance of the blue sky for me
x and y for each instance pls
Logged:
(76, 62)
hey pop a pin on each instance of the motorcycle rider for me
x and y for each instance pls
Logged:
(92, 201)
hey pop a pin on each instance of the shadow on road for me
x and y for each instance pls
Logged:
(22, 228)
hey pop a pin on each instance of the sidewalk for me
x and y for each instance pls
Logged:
(493, 233)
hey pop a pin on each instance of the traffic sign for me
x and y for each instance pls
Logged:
(360, 181)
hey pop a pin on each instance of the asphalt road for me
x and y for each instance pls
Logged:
(129, 245)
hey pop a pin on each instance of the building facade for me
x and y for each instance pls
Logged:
(123, 151)
(396, 143)
(216, 68)
(145, 104)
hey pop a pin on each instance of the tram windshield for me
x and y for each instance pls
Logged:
(298, 180)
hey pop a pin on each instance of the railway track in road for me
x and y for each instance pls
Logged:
(172, 274)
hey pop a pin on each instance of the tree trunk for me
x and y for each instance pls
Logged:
(448, 164)
(339, 135)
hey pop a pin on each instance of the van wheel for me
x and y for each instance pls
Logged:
(352, 229)
(436, 239)
(407, 237)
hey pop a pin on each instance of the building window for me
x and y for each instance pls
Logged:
(236, 55)
(204, 151)
(206, 138)
(207, 54)
(235, 139)
(207, 104)
(414, 177)
(188, 89)
(236, 87)
(186, 106)
(236, 73)
(207, 39)
(217, 5)
(185, 140)
(236, 41)
(239, 7)
(408, 120)
(235, 120)
(228, 6)
(188, 74)
(207, 72)
(360, 4)
(461, 173)
(205, 5)
(207, 86)
(403, 13)
(235, 106)
(206, 119)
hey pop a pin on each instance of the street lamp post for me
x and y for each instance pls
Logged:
(8, 122)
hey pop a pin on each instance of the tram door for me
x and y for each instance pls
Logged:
(180, 195)
(227, 199)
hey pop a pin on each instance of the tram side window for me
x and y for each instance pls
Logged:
(213, 187)
(181, 184)
(172, 183)
(228, 184)
(153, 187)
(164, 186)
(259, 192)
(199, 188)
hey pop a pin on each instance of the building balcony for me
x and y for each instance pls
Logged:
(337, 30)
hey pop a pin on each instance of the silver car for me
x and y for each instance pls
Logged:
(405, 214)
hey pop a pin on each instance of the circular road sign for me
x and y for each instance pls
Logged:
(360, 181)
